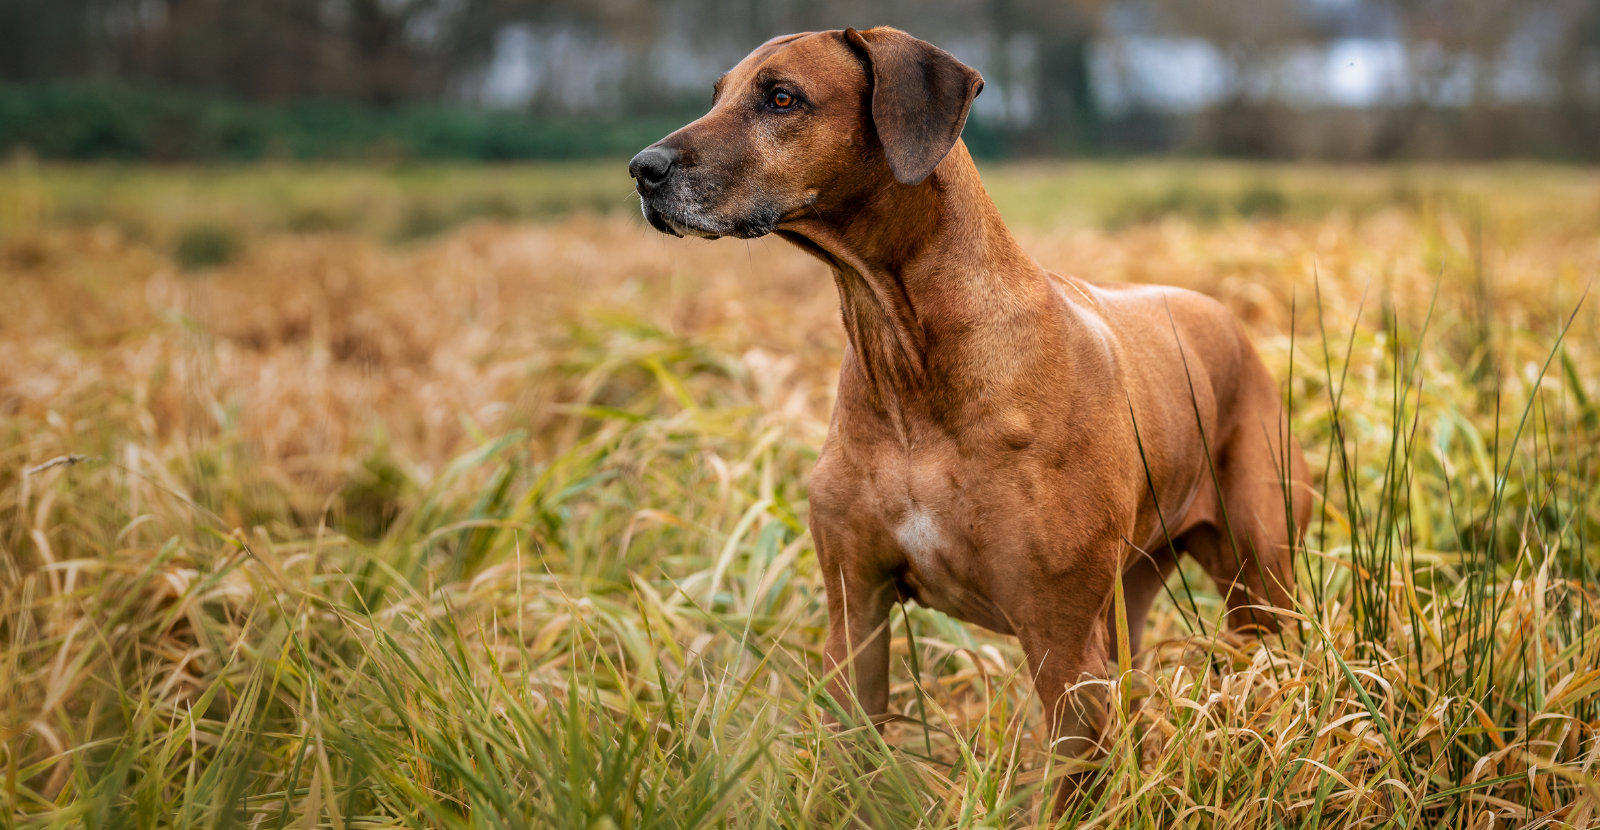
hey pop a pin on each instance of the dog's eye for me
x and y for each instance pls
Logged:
(782, 100)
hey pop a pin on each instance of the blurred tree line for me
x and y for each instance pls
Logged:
(530, 78)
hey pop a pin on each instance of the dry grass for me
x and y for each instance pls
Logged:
(506, 527)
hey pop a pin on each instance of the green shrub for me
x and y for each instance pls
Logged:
(84, 121)
(207, 246)
(372, 498)
(1203, 204)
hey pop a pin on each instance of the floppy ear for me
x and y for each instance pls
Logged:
(920, 98)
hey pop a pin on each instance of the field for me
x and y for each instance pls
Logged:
(455, 497)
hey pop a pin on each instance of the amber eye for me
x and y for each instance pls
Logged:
(782, 100)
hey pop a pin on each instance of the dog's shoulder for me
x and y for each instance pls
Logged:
(1159, 304)
(1146, 316)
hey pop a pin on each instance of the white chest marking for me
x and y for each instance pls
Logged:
(919, 535)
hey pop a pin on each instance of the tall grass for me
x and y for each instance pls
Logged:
(508, 529)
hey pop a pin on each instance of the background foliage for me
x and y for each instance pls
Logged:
(81, 121)
(496, 517)
(1325, 79)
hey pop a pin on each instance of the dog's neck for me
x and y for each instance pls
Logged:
(940, 303)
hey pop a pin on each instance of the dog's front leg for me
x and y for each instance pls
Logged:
(856, 654)
(1067, 653)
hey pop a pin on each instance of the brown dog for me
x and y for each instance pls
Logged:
(1005, 439)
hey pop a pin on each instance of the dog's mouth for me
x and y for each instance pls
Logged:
(681, 229)
(671, 225)
(676, 223)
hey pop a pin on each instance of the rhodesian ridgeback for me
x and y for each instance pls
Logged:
(1005, 439)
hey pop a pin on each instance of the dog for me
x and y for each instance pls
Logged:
(1005, 440)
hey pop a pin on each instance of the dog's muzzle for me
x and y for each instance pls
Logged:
(673, 200)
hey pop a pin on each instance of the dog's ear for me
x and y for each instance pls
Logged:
(920, 98)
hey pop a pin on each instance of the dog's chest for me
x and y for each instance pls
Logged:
(930, 510)
(943, 565)
(933, 517)
(923, 510)
(933, 549)
(920, 536)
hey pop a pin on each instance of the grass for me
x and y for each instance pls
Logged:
(504, 525)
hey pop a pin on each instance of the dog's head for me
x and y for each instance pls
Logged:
(805, 124)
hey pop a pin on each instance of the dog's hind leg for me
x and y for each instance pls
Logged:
(1237, 571)
(1246, 542)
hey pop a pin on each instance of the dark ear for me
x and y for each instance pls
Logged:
(920, 98)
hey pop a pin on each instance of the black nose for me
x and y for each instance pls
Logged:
(652, 166)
